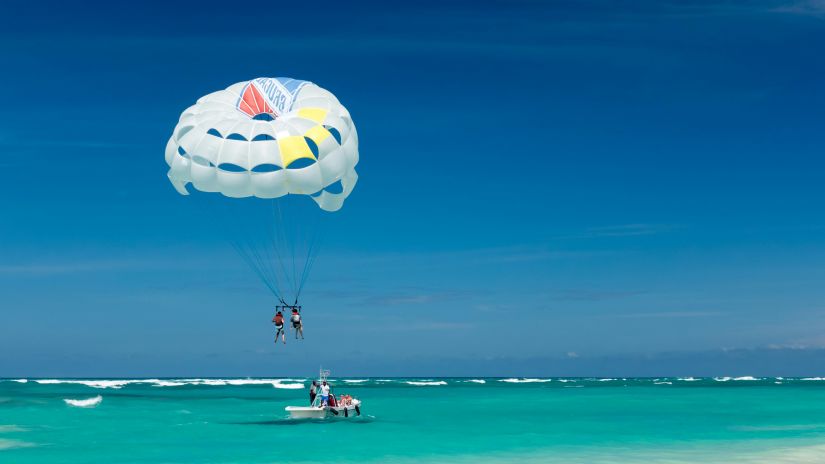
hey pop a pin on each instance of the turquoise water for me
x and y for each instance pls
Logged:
(417, 420)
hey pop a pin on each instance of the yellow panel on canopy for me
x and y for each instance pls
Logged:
(292, 148)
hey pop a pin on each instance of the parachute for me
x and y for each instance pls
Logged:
(265, 139)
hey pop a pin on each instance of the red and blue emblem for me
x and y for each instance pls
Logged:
(254, 104)
(266, 98)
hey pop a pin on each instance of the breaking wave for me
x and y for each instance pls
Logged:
(168, 383)
(91, 383)
(288, 386)
(116, 384)
(299, 383)
(87, 403)
(525, 380)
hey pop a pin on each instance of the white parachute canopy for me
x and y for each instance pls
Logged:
(266, 138)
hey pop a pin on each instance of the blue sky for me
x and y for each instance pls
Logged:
(546, 188)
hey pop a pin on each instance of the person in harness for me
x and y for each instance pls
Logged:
(297, 324)
(278, 320)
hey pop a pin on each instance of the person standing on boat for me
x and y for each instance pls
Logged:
(313, 392)
(325, 394)
(278, 320)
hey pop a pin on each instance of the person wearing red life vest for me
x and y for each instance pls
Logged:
(278, 320)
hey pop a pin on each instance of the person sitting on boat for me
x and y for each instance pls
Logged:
(324, 394)
(297, 325)
(313, 392)
(278, 320)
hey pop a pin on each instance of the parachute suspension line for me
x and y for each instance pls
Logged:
(256, 255)
(291, 241)
(262, 258)
(268, 254)
(279, 229)
(312, 253)
(246, 256)
(262, 272)
(292, 233)
(266, 266)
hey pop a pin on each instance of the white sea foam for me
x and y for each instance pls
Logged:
(426, 383)
(722, 379)
(746, 378)
(240, 382)
(277, 383)
(11, 444)
(20, 380)
(115, 384)
(355, 380)
(87, 403)
(90, 383)
(566, 380)
(288, 386)
(688, 379)
(663, 383)
(525, 380)
(476, 381)
(606, 380)
(813, 379)
(11, 428)
(168, 383)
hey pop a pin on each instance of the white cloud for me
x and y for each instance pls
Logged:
(814, 8)
(669, 314)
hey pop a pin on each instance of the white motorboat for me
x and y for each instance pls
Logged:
(322, 412)
(343, 406)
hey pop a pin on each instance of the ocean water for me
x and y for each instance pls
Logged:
(573, 420)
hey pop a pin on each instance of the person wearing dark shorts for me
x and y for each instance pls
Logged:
(313, 392)
(297, 324)
(278, 320)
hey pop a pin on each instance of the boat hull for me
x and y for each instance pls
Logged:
(310, 412)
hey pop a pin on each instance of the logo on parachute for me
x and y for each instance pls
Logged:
(267, 98)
